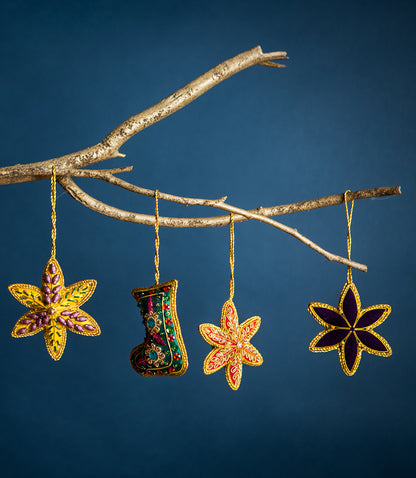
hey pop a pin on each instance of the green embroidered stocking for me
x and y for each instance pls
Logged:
(163, 351)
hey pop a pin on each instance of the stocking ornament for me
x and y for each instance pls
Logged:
(349, 328)
(163, 351)
(230, 343)
(54, 308)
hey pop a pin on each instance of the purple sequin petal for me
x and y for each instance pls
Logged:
(332, 337)
(371, 341)
(349, 306)
(370, 317)
(351, 350)
(330, 317)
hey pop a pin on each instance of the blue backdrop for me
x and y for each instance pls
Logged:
(340, 116)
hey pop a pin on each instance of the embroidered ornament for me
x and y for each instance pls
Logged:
(349, 328)
(230, 343)
(163, 351)
(54, 308)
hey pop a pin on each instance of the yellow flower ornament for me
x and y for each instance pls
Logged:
(54, 309)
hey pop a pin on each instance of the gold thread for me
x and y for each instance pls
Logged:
(157, 237)
(349, 219)
(231, 255)
(53, 216)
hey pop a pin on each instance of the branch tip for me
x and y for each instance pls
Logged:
(272, 64)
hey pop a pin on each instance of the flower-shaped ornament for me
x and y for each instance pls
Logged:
(54, 309)
(350, 328)
(231, 345)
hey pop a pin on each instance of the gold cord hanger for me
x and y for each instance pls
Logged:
(53, 215)
(157, 237)
(232, 255)
(349, 218)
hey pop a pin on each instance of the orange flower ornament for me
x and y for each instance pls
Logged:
(231, 346)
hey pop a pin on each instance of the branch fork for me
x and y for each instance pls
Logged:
(70, 165)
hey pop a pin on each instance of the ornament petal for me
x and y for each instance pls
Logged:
(373, 316)
(28, 324)
(214, 335)
(326, 315)
(251, 356)
(374, 343)
(234, 372)
(52, 274)
(28, 295)
(350, 355)
(84, 324)
(249, 327)
(349, 303)
(216, 359)
(328, 340)
(77, 294)
(55, 339)
(229, 317)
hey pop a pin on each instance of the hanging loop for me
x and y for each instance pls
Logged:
(53, 215)
(232, 255)
(157, 236)
(349, 219)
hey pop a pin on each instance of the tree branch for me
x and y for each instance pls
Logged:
(70, 164)
(333, 200)
(259, 214)
(109, 146)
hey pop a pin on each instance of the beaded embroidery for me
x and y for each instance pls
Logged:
(163, 351)
(230, 343)
(54, 308)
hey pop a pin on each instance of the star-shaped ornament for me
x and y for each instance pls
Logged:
(54, 308)
(231, 345)
(349, 328)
